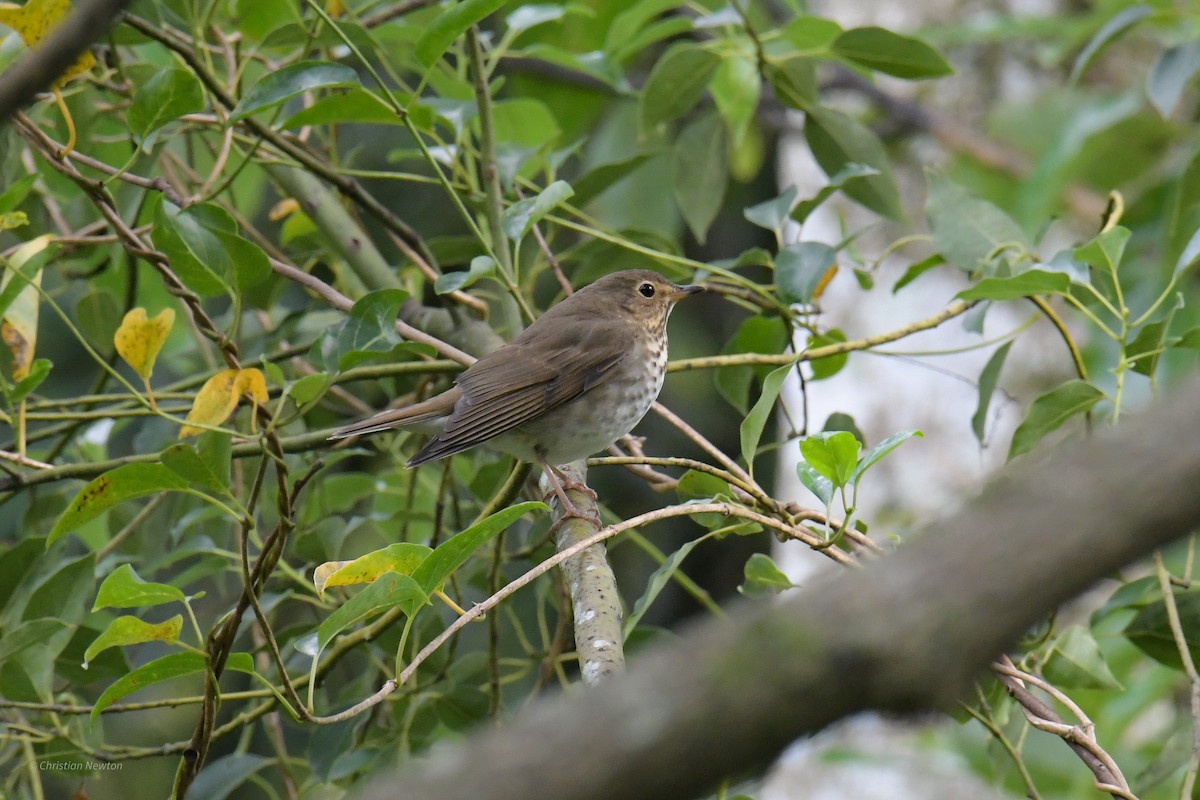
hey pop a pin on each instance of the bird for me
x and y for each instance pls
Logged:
(580, 377)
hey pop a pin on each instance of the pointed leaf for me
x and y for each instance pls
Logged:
(700, 166)
(1170, 75)
(834, 455)
(1122, 21)
(140, 338)
(752, 426)
(219, 396)
(1030, 283)
(124, 631)
(967, 229)
(801, 271)
(161, 669)
(283, 84)
(452, 23)
(1076, 662)
(883, 51)
(880, 450)
(519, 218)
(388, 591)
(452, 553)
(402, 557)
(837, 140)
(987, 386)
(762, 576)
(124, 588)
(658, 579)
(1050, 411)
(164, 97)
(123, 483)
(676, 83)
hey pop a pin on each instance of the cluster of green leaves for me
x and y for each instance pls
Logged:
(615, 132)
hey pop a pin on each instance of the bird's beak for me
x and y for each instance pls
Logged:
(681, 292)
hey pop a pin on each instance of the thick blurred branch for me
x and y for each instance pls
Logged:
(37, 69)
(907, 633)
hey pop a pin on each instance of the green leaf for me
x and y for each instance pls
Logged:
(1104, 253)
(880, 450)
(800, 268)
(124, 631)
(310, 387)
(1147, 346)
(1075, 662)
(125, 589)
(280, 85)
(773, 214)
(165, 97)
(827, 367)
(1050, 411)
(967, 230)
(206, 250)
(808, 35)
(849, 172)
(223, 775)
(752, 426)
(16, 562)
(481, 267)
(833, 455)
(987, 387)
(388, 591)
(676, 83)
(370, 328)
(355, 104)
(402, 557)
(836, 140)
(98, 316)
(762, 576)
(519, 218)
(27, 634)
(703, 487)
(1150, 629)
(450, 24)
(633, 28)
(658, 579)
(883, 51)
(756, 334)
(700, 164)
(1122, 21)
(162, 669)
(1189, 256)
(186, 462)
(1029, 283)
(815, 482)
(794, 82)
(917, 270)
(736, 87)
(450, 554)
(599, 178)
(123, 483)
(1170, 75)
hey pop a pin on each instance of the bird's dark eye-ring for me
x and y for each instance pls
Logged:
(646, 290)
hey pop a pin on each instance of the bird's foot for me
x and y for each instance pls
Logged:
(560, 482)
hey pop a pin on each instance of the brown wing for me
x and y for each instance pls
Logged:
(546, 366)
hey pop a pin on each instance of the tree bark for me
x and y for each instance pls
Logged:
(907, 634)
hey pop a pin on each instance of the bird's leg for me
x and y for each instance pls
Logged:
(559, 483)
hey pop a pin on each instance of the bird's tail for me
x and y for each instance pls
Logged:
(435, 408)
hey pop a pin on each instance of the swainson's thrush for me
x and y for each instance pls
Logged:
(576, 380)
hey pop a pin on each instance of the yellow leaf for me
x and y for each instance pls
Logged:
(34, 21)
(139, 339)
(217, 399)
(322, 573)
(283, 209)
(18, 328)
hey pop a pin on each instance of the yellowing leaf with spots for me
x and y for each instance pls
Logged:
(140, 338)
(402, 557)
(34, 21)
(218, 397)
(18, 328)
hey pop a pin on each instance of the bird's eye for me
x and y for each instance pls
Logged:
(646, 290)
